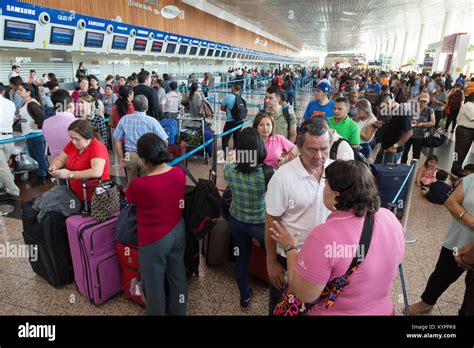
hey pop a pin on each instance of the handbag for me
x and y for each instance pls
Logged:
(127, 225)
(434, 137)
(105, 200)
(25, 163)
(206, 109)
(290, 305)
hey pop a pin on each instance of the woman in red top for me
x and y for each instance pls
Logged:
(159, 198)
(85, 157)
(123, 106)
(455, 101)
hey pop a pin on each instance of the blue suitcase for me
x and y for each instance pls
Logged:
(390, 178)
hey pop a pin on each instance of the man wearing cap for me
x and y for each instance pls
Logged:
(321, 106)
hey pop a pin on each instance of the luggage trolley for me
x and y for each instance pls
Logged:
(193, 131)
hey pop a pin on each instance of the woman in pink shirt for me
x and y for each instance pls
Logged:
(350, 193)
(277, 145)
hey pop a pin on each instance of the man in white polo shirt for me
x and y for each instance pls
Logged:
(295, 196)
(7, 116)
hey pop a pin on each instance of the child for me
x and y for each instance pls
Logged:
(427, 174)
(438, 191)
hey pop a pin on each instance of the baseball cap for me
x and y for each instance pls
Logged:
(325, 87)
(424, 97)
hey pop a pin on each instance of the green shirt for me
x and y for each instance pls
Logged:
(347, 129)
(281, 126)
(248, 194)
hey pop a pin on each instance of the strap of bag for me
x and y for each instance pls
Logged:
(334, 148)
(188, 173)
(268, 172)
(364, 243)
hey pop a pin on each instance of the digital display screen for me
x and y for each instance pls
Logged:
(193, 51)
(210, 53)
(217, 54)
(234, 55)
(229, 54)
(140, 45)
(119, 42)
(62, 36)
(223, 54)
(239, 56)
(202, 51)
(94, 40)
(157, 46)
(19, 31)
(183, 49)
(171, 48)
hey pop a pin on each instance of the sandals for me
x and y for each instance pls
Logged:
(413, 311)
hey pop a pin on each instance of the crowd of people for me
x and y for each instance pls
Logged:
(319, 191)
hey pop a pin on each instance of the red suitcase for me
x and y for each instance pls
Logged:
(258, 263)
(130, 270)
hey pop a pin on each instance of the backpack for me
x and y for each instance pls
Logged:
(239, 111)
(227, 195)
(170, 126)
(202, 207)
(357, 155)
(287, 115)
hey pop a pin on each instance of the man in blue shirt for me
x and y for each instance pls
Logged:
(132, 127)
(227, 105)
(321, 106)
(375, 87)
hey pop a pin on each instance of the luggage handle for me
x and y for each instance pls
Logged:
(84, 191)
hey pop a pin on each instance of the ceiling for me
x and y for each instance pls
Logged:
(339, 25)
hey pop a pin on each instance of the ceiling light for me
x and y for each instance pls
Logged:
(347, 13)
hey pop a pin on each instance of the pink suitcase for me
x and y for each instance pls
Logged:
(94, 257)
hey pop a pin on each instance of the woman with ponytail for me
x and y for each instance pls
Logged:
(159, 198)
(32, 118)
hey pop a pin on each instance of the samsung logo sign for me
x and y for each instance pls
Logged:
(97, 24)
(17, 9)
(142, 32)
(122, 28)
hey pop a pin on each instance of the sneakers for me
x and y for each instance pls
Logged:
(244, 303)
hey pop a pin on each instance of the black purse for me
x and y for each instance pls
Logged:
(127, 225)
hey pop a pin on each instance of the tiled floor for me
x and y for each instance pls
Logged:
(214, 292)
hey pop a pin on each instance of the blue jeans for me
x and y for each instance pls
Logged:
(366, 149)
(36, 149)
(389, 158)
(242, 234)
(291, 97)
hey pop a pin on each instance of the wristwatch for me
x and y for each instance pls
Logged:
(71, 175)
(395, 146)
(289, 247)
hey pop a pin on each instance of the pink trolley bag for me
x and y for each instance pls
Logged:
(94, 257)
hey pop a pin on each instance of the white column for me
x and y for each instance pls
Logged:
(448, 24)
(406, 43)
(420, 52)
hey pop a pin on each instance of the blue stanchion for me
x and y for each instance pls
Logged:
(403, 185)
(22, 137)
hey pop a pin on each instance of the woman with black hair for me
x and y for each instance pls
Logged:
(352, 196)
(195, 101)
(246, 179)
(32, 118)
(159, 198)
(123, 106)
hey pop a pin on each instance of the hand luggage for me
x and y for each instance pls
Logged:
(390, 178)
(216, 244)
(52, 260)
(258, 263)
(178, 150)
(170, 126)
(130, 269)
(94, 257)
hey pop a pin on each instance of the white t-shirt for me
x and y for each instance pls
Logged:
(7, 118)
(297, 197)
(364, 124)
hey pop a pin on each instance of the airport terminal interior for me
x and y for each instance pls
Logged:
(196, 74)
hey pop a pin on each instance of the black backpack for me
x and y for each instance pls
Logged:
(239, 111)
(357, 155)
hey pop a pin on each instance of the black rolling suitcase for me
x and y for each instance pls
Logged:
(50, 239)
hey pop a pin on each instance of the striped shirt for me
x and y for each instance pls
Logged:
(248, 194)
(171, 102)
(133, 126)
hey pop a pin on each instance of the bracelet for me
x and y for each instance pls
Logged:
(461, 215)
